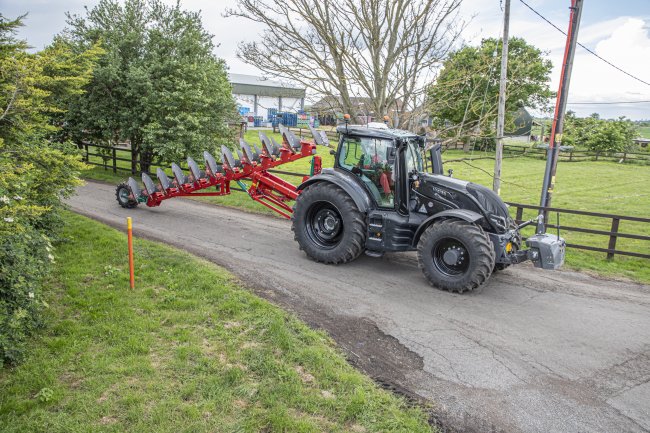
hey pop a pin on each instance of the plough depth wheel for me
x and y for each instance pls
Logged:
(125, 197)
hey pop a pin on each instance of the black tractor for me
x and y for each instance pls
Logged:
(387, 192)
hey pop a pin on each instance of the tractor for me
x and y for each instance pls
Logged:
(386, 192)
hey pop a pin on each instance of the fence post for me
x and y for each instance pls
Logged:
(612, 238)
(571, 156)
(114, 160)
(86, 148)
(520, 214)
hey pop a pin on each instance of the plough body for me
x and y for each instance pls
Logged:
(253, 165)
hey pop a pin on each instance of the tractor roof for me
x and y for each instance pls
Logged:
(365, 131)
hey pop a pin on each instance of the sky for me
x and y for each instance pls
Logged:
(618, 31)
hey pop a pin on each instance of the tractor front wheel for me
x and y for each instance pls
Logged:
(125, 197)
(327, 224)
(455, 255)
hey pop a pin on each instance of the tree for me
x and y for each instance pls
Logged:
(463, 100)
(159, 85)
(342, 49)
(37, 169)
(598, 134)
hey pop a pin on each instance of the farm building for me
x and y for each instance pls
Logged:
(256, 95)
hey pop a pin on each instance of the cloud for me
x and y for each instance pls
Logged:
(628, 47)
(623, 40)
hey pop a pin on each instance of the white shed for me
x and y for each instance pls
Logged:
(259, 94)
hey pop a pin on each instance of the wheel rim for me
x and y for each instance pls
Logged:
(324, 225)
(450, 257)
(124, 194)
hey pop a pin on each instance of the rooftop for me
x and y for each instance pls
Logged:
(253, 80)
(363, 130)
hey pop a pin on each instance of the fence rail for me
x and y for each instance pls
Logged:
(513, 150)
(613, 234)
(110, 162)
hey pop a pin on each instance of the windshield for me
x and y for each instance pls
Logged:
(413, 156)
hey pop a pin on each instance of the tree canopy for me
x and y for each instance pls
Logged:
(599, 134)
(349, 49)
(463, 100)
(159, 85)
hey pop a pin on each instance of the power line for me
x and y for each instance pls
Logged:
(608, 103)
(587, 49)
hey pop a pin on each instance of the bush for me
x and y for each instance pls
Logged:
(32, 182)
(599, 135)
(24, 259)
(36, 172)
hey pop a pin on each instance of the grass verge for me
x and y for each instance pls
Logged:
(186, 351)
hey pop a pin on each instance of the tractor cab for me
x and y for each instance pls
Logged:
(381, 158)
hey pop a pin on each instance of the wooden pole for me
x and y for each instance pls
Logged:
(496, 183)
(129, 230)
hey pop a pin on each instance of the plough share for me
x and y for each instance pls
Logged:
(253, 164)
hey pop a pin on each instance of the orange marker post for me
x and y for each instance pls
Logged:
(129, 230)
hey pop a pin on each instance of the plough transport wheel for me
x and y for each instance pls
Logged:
(327, 224)
(124, 196)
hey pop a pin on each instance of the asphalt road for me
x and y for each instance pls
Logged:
(531, 351)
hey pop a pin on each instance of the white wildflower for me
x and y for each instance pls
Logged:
(17, 197)
(48, 248)
(4, 199)
(9, 220)
(31, 295)
(51, 257)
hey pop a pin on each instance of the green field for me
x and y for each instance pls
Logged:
(187, 351)
(606, 187)
(644, 131)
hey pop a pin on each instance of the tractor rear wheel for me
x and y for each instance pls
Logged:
(455, 255)
(327, 224)
(124, 196)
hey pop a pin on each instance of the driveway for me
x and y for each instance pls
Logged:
(531, 351)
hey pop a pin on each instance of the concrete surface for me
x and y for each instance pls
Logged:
(531, 351)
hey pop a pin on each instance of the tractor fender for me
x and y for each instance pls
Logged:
(348, 182)
(462, 214)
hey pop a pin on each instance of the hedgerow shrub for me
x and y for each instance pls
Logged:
(36, 173)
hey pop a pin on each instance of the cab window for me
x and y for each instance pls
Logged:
(368, 158)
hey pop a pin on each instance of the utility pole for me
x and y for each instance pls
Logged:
(560, 107)
(501, 117)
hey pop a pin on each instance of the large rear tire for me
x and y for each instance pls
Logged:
(327, 224)
(455, 255)
(125, 197)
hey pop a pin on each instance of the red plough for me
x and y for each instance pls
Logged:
(252, 165)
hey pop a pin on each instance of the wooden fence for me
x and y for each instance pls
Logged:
(513, 150)
(110, 161)
(612, 235)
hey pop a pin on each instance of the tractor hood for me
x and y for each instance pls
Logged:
(449, 193)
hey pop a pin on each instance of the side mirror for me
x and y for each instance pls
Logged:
(332, 152)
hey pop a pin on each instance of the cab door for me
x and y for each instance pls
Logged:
(372, 160)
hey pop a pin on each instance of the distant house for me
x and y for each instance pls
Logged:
(256, 95)
(523, 124)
